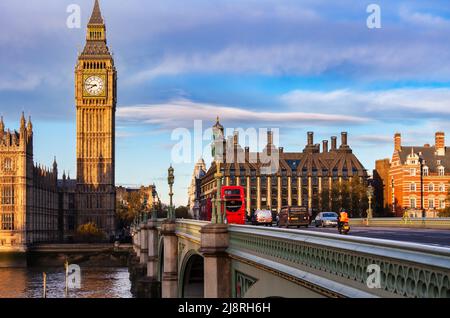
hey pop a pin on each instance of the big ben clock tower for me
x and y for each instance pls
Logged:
(95, 93)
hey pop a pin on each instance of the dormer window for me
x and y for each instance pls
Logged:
(426, 171)
(439, 162)
(441, 171)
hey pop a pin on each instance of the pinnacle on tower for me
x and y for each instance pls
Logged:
(2, 124)
(96, 17)
(22, 121)
(29, 125)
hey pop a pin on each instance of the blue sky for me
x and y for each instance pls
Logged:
(289, 64)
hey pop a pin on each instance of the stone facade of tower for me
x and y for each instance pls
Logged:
(95, 93)
(29, 210)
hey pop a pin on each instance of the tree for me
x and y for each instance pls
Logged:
(129, 208)
(182, 212)
(335, 197)
(325, 199)
(89, 233)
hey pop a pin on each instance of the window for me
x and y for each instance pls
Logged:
(412, 187)
(431, 187)
(431, 203)
(442, 187)
(441, 171)
(441, 203)
(426, 171)
(412, 172)
(7, 164)
(7, 195)
(412, 202)
(7, 222)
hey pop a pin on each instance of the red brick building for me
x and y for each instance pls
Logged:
(404, 181)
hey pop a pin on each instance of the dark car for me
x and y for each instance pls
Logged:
(293, 216)
(325, 219)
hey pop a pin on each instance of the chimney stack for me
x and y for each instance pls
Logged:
(270, 137)
(236, 138)
(344, 139)
(398, 142)
(325, 146)
(440, 143)
(310, 138)
(333, 143)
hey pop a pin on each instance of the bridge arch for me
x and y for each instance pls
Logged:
(192, 274)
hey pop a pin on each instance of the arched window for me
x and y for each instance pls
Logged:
(431, 187)
(442, 187)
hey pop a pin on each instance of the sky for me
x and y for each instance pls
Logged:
(295, 65)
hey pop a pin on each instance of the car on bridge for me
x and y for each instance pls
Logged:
(262, 217)
(293, 216)
(325, 219)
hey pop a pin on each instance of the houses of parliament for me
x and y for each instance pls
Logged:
(36, 206)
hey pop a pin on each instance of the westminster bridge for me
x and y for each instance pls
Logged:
(194, 259)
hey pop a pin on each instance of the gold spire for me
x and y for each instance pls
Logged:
(96, 17)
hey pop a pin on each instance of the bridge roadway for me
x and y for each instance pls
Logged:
(187, 258)
(433, 237)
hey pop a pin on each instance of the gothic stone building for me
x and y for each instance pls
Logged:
(34, 205)
(28, 193)
(402, 182)
(300, 179)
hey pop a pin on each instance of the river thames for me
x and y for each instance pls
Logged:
(95, 283)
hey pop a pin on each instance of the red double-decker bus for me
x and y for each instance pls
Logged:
(233, 199)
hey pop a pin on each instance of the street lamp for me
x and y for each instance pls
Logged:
(217, 154)
(370, 196)
(154, 211)
(171, 179)
(421, 186)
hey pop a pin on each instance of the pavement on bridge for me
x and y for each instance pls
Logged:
(422, 236)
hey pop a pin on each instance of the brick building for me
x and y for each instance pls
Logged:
(404, 179)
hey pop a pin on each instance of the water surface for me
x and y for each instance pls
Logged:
(95, 283)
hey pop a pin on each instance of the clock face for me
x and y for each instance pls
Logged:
(94, 85)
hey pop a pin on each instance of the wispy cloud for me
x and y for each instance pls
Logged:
(182, 113)
(407, 102)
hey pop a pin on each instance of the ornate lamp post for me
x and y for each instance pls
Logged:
(154, 211)
(171, 179)
(217, 154)
(421, 186)
(370, 196)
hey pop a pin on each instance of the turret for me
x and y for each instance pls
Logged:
(2, 128)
